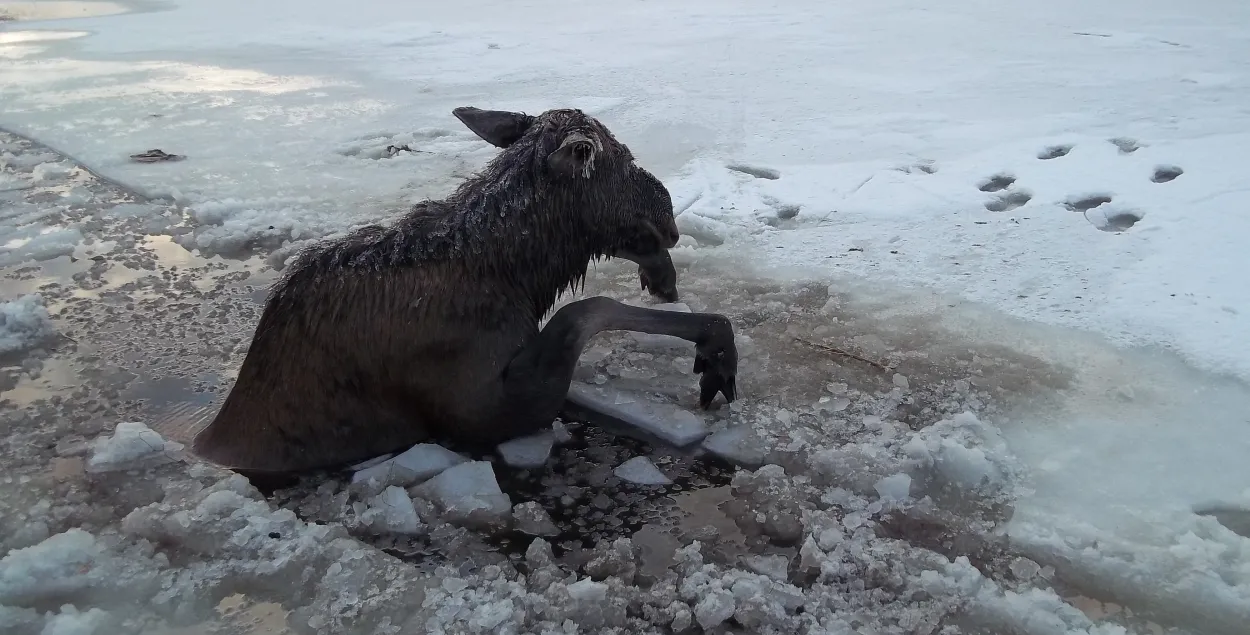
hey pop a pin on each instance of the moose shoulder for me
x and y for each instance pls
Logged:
(375, 341)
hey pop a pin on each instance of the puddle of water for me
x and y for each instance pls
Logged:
(702, 516)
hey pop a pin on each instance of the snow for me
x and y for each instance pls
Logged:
(641, 471)
(24, 323)
(529, 451)
(132, 446)
(70, 621)
(61, 564)
(960, 153)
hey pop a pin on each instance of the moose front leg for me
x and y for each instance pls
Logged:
(538, 378)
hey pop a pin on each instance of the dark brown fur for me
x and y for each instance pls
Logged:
(430, 327)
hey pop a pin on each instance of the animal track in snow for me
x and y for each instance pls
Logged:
(781, 213)
(1165, 173)
(926, 167)
(997, 183)
(1125, 145)
(1054, 152)
(755, 171)
(1086, 203)
(1009, 201)
(1114, 221)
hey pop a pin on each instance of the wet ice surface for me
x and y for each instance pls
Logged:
(820, 536)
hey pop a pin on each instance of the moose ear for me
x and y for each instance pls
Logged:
(499, 128)
(575, 156)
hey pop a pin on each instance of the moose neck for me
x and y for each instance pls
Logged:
(536, 239)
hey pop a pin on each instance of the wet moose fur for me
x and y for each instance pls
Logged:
(388, 336)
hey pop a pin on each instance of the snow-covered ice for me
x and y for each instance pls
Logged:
(24, 323)
(641, 471)
(132, 446)
(1063, 180)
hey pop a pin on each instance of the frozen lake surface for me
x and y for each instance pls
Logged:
(985, 262)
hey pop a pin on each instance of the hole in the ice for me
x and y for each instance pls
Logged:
(1165, 173)
(1086, 203)
(1009, 201)
(1054, 152)
(1125, 145)
(997, 183)
(576, 487)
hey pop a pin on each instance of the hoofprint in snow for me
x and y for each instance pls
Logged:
(1011, 170)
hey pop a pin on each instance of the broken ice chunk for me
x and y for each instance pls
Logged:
(738, 445)
(71, 621)
(133, 446)
(367, 463)
(628, 411)
(662, 342)
(641, 471)
(527, 452)
(392, 511)
(417, 464)
(530, 518)
(587, 590)
(776, 567)
(714, 608)
(896, 487)
(468, 494)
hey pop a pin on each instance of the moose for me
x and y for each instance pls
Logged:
(430, 328)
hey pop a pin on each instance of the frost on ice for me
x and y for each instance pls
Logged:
(132, 446)
(24, 324)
